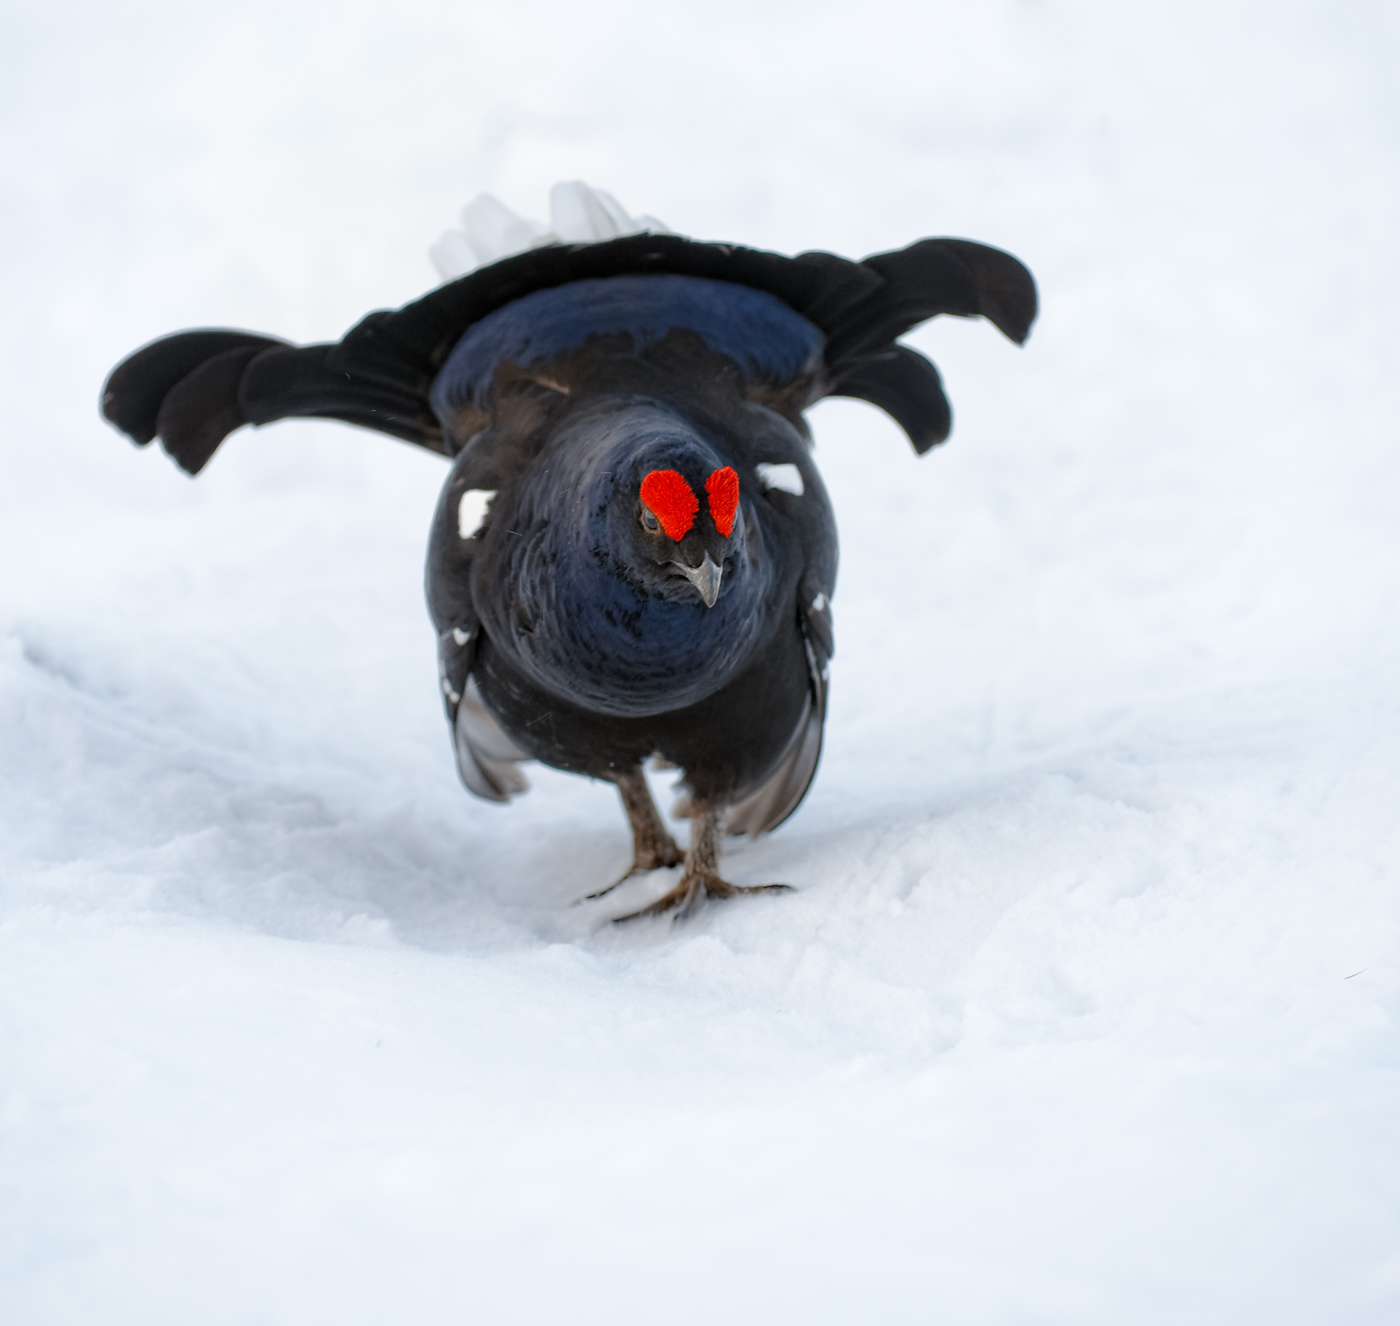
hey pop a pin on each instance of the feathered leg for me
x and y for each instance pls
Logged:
(652, 846)
(701, 878)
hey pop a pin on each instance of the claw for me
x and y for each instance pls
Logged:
(603, 892)
(652, 847)
(693, 889)
(656, 861)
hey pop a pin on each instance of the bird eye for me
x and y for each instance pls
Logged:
(650, 522)
(668, 499)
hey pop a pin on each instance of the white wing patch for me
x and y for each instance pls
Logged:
(471, 511)
(787, 478)
(491, 231)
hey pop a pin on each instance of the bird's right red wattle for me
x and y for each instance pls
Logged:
(671, 500)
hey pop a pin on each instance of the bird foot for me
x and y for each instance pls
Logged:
(657, 857)
(694, 888)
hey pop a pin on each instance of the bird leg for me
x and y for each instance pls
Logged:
(701, 879)
(652, 846)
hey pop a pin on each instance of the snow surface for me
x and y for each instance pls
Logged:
(1085, 1009)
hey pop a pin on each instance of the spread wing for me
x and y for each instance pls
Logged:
(194, 388)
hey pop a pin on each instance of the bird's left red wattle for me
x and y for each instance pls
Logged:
(722, 488)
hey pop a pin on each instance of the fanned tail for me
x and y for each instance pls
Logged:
(194, 388)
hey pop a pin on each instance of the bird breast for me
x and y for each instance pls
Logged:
(559, 598)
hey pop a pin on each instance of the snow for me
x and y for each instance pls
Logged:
(1084, 1010)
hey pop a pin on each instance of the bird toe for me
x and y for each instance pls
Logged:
(683, 899)
(715, 887)
(659, 857)
(692, 890)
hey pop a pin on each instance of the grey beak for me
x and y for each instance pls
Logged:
(705, 578)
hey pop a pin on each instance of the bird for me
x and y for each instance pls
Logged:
(633, 557)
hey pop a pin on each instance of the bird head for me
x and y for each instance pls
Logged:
(689, 529)
(660, 502)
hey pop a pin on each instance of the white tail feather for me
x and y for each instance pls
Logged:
(491, 231)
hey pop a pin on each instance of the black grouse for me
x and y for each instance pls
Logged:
(653, 571)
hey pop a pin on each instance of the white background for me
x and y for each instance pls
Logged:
(1085, 1008)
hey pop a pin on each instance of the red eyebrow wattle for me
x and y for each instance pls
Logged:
(671, 501)
(722, 488)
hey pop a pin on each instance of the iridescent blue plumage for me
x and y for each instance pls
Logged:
(586, 619)
(756, 330)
